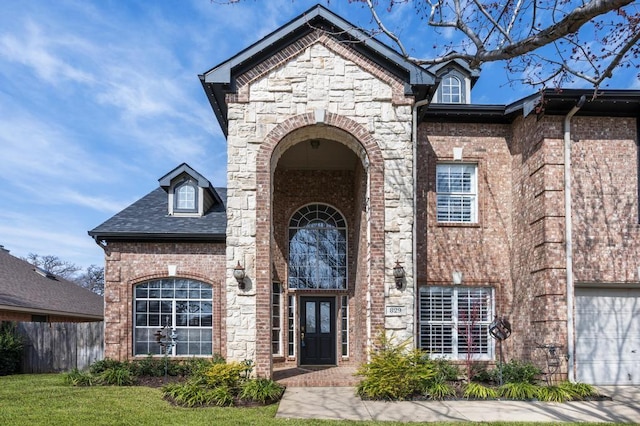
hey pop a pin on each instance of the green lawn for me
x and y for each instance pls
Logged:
(45, 400)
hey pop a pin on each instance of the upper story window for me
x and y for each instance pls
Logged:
(457, 193)
(317, 248)
(451, 90)
(186, 197)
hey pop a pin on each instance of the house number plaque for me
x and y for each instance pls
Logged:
(396, 311)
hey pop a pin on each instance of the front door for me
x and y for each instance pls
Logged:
(317, 331)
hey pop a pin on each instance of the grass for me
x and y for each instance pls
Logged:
(44, 399)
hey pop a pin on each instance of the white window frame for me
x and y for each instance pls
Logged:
(448, 320)
(167, 293)
(450, 88)
(344, 324)
(291, 325)
(276, 323)
(321, 271)
(180, 200)
(457, 198)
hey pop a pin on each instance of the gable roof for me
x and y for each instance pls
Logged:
(165, 181)
(221, 79)
(24, 289)
(148, 219)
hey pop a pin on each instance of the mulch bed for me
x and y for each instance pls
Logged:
(158, 382)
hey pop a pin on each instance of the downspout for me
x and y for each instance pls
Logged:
(568, 238)
(414, 260)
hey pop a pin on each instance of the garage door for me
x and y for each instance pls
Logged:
(608, 336)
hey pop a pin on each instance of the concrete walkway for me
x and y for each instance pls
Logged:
(341, 403)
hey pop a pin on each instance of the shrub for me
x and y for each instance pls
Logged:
(221, 396)
(224, 374)
(261, 390)
(188, 394)
(440, 390)
(117, 376)
(553, 394)
(445, 370)
(104, 364)
(519, 391)
(479, 391)
(79, 378)
(11, 345)
(578, 391)
(197, 366)
(394, 373)
(482, 374)
(149, 366)
(516, 371)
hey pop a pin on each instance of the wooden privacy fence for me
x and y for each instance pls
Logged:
(60, 346)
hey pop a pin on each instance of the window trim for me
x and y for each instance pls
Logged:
(473, 194)
(455, 321)
(344, 326)
(291, 325)
(172, 315)
(184, 184)
(460, 89)
(276, 323)
(341, 225)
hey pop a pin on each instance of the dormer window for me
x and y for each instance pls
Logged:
(188, 192)
(186, 197)
(451, 90)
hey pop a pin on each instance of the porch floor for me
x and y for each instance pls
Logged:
(316, 376)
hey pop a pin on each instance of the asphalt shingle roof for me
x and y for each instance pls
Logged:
(24, 289)
(148, 218)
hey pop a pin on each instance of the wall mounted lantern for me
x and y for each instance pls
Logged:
(238, 274)
(398, 274)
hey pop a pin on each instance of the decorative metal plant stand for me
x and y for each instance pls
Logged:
(553, 358)
(166, 338)
(500, 329)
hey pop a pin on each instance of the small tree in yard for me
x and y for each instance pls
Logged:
(470, 331)
(11, 345)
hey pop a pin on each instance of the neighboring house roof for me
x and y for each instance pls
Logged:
(148, 219)
(23, 289)
(614, 103)
(221, 79)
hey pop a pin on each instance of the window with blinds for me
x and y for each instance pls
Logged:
(457, 190)
(454, 322)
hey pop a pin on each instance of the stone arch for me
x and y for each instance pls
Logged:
(284, 135)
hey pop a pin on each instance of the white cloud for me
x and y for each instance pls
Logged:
(37, 50)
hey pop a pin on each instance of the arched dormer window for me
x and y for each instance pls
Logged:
(451, 90)
(186, 197)
(317, 248)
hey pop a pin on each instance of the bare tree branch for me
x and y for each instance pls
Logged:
(388, 33)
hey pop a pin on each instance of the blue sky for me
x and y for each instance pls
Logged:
(99, 99)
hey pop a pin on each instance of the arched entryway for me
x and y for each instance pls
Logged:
(325, 314)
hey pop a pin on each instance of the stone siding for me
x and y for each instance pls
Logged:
(328, 88)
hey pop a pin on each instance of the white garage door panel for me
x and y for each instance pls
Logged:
(606, 373)
(608, 336)
(608, 349)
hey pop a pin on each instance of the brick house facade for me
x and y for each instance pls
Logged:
(346, 161)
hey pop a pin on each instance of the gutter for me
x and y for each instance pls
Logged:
(568, 239)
